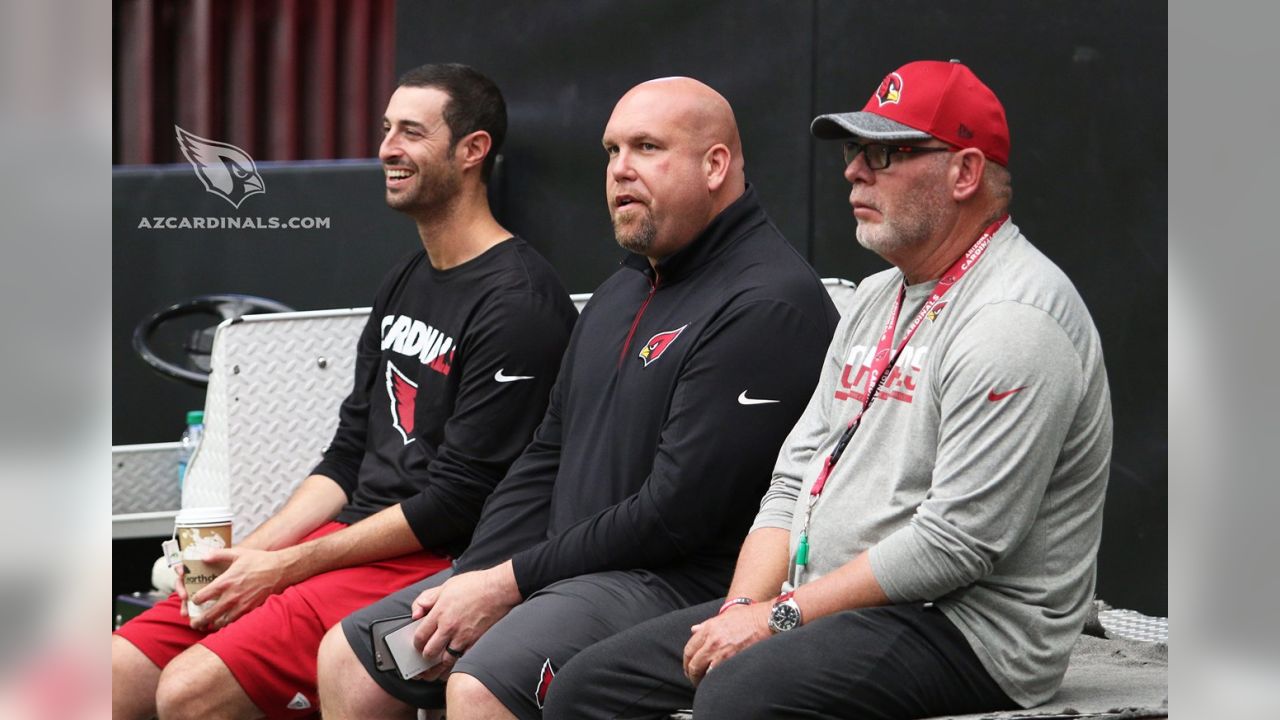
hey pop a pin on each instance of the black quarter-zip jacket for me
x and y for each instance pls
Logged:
(679, 385)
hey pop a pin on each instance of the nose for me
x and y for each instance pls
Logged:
(389, 148)
(620, 166)
(857, 171)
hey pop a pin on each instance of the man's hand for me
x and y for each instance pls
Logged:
(250, 578)
(181, 589)
(720, 638)
(460, 611)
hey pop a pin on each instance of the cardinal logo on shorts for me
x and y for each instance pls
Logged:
(403, 393)
(224, 169)
(658, 344)
(890, 91)
(544, 682)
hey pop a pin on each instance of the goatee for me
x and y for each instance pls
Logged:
(639, 240)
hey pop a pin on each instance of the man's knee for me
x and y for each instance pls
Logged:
(127, 661)
(133, 681)
(467, 697)
(198, 685)
(336, 660)
(463, 690)
(738, 690)
(346, 689)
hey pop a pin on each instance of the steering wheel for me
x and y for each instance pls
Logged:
(199, 345)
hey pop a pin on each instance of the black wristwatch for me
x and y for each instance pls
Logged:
(786, 614)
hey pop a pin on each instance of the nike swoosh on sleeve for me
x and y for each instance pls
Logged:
(509, 378)
(994, 396)
(744, 400)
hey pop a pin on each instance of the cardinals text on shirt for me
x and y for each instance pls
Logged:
(901, 383)
(415, 338)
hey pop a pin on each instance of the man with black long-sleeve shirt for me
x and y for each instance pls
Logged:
(682, 377)
(453, 372)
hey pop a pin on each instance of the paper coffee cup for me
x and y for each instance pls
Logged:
(201, 530)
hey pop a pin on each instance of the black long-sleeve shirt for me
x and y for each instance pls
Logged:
(452, 376)
(674, 396)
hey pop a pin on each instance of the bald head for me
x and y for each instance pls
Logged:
(675, 161)
(695, 108)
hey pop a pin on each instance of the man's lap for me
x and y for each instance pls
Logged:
(356, 628)
(271, 649)
(517, 658)
(897, 661)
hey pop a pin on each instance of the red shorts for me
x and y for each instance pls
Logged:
(271, 650)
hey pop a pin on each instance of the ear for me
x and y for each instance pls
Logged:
(472, 149)
(715, 163)
(967, 168)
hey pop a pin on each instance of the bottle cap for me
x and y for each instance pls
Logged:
(195, 417)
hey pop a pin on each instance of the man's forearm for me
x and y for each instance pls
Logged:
(316, 501)
(851, 586)
(762, 564)
(377, 537)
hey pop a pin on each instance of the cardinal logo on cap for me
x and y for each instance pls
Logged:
(890, 90)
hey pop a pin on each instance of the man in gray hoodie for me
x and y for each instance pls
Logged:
(934, 517)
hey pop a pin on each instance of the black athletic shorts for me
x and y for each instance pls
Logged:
(518, 657)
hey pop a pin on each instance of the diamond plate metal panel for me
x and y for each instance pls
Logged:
(1135, 626)
(144, 478)
(271, 409)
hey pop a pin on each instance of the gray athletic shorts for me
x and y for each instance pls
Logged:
(519, 656)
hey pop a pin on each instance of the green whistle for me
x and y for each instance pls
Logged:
(802, 551)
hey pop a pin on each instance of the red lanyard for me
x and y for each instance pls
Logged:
(882, 363)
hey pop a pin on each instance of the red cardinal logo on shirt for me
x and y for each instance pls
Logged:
(658, 344)
(544, 682)
(404, 395)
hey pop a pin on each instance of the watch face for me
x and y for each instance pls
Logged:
(784, 617)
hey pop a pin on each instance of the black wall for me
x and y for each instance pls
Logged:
(1084, 85)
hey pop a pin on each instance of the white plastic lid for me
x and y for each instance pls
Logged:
(212, 515)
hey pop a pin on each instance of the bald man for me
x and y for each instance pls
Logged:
(682, 377)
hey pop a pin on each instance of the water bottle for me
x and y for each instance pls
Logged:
(190, 440)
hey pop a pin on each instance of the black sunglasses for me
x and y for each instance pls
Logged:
(878, 154)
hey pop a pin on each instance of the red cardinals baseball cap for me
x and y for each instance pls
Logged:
(924, 99)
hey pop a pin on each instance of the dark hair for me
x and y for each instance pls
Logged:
(475, 103)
